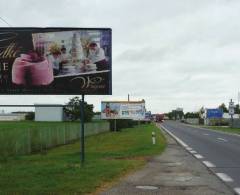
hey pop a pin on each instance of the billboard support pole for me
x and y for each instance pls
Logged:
(115, 124)
(82, 130)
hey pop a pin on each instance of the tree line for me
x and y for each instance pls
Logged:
(174, 114)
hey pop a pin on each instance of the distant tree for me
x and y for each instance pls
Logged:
(174, 115)
(30, 116)
(169, 115)
(180, 114)
(223, 107)
(72, 110)
(192, 115)
(202, 110)
(237, 109)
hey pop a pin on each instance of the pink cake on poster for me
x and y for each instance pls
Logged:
(26, 72)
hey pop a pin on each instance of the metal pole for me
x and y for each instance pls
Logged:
(82, 130)
(115, 125)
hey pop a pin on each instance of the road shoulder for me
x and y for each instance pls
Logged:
(174, 172)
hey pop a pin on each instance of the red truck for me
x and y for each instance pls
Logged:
(159, 117)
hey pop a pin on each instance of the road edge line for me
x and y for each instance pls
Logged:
(224, 177)
(201, 161)
(182, 143)
(237, 190)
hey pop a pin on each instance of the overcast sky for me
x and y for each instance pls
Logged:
(170, 53)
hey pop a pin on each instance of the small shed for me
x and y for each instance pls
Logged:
(49, 112)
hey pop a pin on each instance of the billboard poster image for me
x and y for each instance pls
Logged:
(123, 110)
(55, 61)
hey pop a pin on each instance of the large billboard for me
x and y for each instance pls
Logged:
(123, 110)
(214, 113)
(55, 61)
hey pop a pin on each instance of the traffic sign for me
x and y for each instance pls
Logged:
(231, 111)
(231, 107)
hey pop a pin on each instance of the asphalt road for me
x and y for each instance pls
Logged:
(219, 151)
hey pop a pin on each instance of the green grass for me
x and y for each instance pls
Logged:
(224, 129)
(108, 157)
(19, 138)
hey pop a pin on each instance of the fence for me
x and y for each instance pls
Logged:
(192, 121)
(34, 138)
(216, 122)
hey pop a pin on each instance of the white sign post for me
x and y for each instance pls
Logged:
(153, 138)
(231, 111)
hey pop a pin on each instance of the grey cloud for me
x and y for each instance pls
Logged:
(171, 53)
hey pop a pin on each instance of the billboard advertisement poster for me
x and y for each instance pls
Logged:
(55, 61)
(123, 110)
(214, 113)
(148, 115)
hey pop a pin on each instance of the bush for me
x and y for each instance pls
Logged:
(30, 116)
(122, 123)
(201, 121)
(72, 110)
(219, 122)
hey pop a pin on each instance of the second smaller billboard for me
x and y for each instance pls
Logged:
(123, 110)
(214, 113)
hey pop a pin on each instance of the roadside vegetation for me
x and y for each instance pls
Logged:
(224, 129)
(108, 156)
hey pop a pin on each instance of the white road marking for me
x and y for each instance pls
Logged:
(208, 164)
(221, 139)
(193, 152)
(205, 134)
(188, 148)
(224, 177)
(198, 156)
(175, 137)
(147, 187)
(237, 190)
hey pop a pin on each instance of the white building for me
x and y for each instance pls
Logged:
(12, 116)
(228, 116)
(49, 112)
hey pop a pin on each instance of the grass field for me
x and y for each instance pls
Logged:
(108, 157)
(26, 137)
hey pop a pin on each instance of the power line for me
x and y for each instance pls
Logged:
(5, 21)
